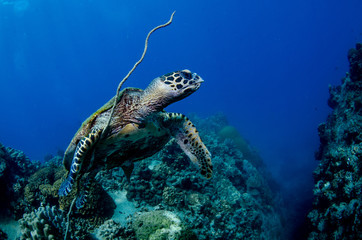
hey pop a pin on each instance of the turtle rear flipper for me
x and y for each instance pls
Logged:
(190, 142)
(81, 151)
(83, 195)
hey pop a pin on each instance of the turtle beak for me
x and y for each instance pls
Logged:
(197, 78)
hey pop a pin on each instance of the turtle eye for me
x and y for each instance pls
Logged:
(186, 75)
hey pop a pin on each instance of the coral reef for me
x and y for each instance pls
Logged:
(166, 197)
(15, 168)
(42, 186)
(159, 224)
(98, 208)
(237, 203)
(3, 235)
(27, 186)
(337, 212)
(111, 230)
(230, 133)
(44, 223)
(42, 189)
(51, 223)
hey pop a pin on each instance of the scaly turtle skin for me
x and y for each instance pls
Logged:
(138, 129)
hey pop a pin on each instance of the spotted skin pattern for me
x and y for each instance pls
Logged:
(189, 140)
(179, 79)
(82, 149)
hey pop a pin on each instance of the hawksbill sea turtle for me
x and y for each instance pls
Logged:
(138, 129)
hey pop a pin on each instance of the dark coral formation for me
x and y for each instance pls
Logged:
(337, 212)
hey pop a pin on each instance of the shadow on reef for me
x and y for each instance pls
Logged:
(337, 207)
(166, 197)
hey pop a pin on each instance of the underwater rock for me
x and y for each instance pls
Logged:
(337, 212)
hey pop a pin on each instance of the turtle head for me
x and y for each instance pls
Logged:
(181, 84)
(174, 86)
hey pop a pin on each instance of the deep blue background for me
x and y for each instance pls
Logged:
(266, 64)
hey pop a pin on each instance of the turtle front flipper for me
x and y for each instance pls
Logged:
(81, 151)
(189, 140)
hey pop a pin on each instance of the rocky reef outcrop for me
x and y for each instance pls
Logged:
(337, 207)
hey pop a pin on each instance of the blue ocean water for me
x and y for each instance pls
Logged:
(266, 65)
